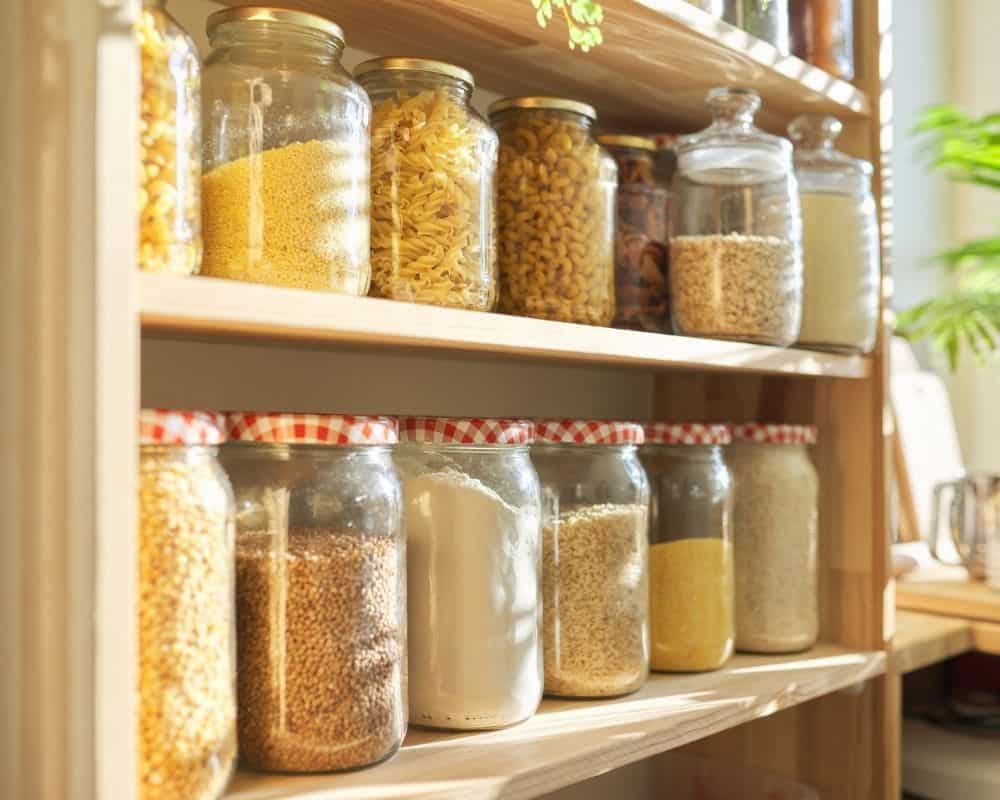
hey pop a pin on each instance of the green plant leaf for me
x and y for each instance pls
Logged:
(583, 20)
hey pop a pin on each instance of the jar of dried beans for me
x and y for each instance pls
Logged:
(555, 212)
(641, 289)
(187, 697)
(320, 590)
(285, 192)
(776, 538)
(736, 229)
(595, 596)
(690, 546)
(169, 145)
(433, 182)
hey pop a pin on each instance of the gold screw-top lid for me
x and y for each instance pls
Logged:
(544, 103)
(414, 65)
(627, 140)
(303, 19)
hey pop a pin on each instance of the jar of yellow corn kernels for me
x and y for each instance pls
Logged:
(169, 145)
(433, 168)
(555, 212)
(285, 189)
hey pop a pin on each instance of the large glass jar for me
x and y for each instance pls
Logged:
(735, 247)
(187, 694)
(822, 33)
(765, 19)
(474, 570)
(433, 184)
(285, 192)
(642, 293)
(775, 521)
(690, 546)
(555, 212)
(169, 145)
(595, 596)
(320, 591)
(840, 248)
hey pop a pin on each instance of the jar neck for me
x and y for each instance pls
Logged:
(582, 121)
(691, 452)
(318, 452)
(394, 82)
(498, 450)
(585, 449)
(179, 452)
(272, 35)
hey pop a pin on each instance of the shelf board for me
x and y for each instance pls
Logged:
(924, 639)
(658, 59)
(971, 600)
(570, 741)
(179, 307)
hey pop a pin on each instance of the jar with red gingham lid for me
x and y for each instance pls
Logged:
(320, 590)
(187, 697)
(595, 597)
(776, 523)
(473, 571)
(691, 552)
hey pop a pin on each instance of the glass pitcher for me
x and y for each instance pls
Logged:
(973, 522)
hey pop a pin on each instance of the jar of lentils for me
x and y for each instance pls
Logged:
(320, 590)
(595, 596)
(776, 536)
(187, 697)
(555, 212)
(433, 184)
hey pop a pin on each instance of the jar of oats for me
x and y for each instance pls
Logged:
(776, 538)
(320, 591)
(736, 229)
(169, 145)
(595, 597)
(187, 698)
(555, 212)
(433, 183)
(690, 546)
(285, 189)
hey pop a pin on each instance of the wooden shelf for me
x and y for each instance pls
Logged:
(971, 600)
(658, 59)
(206, 307)
(924, 639)
(570, 741)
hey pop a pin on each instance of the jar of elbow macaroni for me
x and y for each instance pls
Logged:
(555, 212)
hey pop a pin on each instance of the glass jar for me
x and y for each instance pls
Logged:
(473, 563)
(713, 7)
(320, 591)
(595, 595)
(765, 19)
(690, 552)
(169, 145)
(433, 183)
(285, 191)
(555, 212)
(735, 246)
(822, 33)
(642, 293)
(776, 538)
(840, 246)
(187, 695)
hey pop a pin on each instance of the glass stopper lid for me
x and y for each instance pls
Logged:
(818, 164)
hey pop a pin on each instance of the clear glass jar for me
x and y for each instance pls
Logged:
(642, 293)
(169, 145)
(555, 212)
(765, 19)
(285, 192)
(713, 7)
(822, 33)
(187, 694)
(474, 569)
(320, 591)
(735, 246)
(840, 246)
(776, 538)
(595, 594)
(690, 546)
(434, 164)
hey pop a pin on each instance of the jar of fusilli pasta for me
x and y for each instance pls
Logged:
(433, 166)
(555, 212)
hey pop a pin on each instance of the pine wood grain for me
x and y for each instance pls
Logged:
(971, 600)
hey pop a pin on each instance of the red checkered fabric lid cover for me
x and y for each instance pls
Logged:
(775, 434)
(687, 433)
(455, 430)
(587, 431)
(289, 428)
(163, 426)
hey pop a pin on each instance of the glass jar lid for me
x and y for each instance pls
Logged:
(545, 104)
(732, 151)
(465, 431)
(163, 426)
(295, 428)
(302, 19)
(818, 165)
(775, 434)
(587, 431)
(692, 433)
(627, 140)
(397, 64)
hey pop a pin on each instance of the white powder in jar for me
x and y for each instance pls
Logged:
(473, 604)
